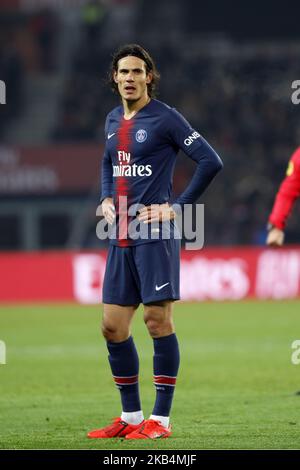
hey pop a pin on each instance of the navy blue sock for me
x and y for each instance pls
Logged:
(124, 363)
(165, 364)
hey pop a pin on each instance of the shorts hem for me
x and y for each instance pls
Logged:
(125, 303)
(160, 298)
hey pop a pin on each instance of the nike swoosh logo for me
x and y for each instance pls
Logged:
(160, 287)
(110, 135)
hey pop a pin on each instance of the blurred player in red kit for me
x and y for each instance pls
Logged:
(288, 192)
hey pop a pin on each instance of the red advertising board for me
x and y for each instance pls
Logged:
(210, 274)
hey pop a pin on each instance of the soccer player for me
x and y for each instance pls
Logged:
(143, 137)
(288, 192)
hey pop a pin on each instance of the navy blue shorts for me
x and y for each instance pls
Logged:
(142, 273)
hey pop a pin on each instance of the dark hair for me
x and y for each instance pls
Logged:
(136, 51)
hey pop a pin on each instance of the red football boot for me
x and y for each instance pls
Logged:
(118, 428)
(150, 429)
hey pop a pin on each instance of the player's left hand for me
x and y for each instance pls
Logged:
(156, 213)
(275, 237)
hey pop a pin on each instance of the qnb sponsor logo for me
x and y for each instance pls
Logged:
(2, 352)
(124, 168)
(2, 92)
(190, 139)
(278, 275)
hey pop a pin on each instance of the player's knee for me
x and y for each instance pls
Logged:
(108, 331)
(114, 333)
(158, 325)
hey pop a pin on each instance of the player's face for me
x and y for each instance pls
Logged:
(132, 78)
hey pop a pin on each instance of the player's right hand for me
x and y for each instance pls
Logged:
(275, 237)
(108, 210)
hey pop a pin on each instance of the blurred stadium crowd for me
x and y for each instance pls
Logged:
(236, 93)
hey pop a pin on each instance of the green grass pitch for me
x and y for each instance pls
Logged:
(236, 388)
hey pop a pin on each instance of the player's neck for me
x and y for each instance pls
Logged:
(131, 108)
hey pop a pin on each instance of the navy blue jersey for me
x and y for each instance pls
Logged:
(140, 155)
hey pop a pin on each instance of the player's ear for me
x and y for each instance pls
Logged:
(115, 76)
(149, 77)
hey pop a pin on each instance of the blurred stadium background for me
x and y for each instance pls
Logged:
(228, 67)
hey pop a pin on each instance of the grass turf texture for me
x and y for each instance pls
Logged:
(236, 387)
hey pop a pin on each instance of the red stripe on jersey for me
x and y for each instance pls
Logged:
(126, 380)
(122, 187)
(163, 379)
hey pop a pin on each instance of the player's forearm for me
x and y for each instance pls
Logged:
(288, 192)
(106, 179)
(283, 206)
(207, 168)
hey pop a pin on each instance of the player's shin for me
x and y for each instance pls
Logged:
(124, 362)
(166, 364)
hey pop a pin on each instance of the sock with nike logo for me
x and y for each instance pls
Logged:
(166, 364)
